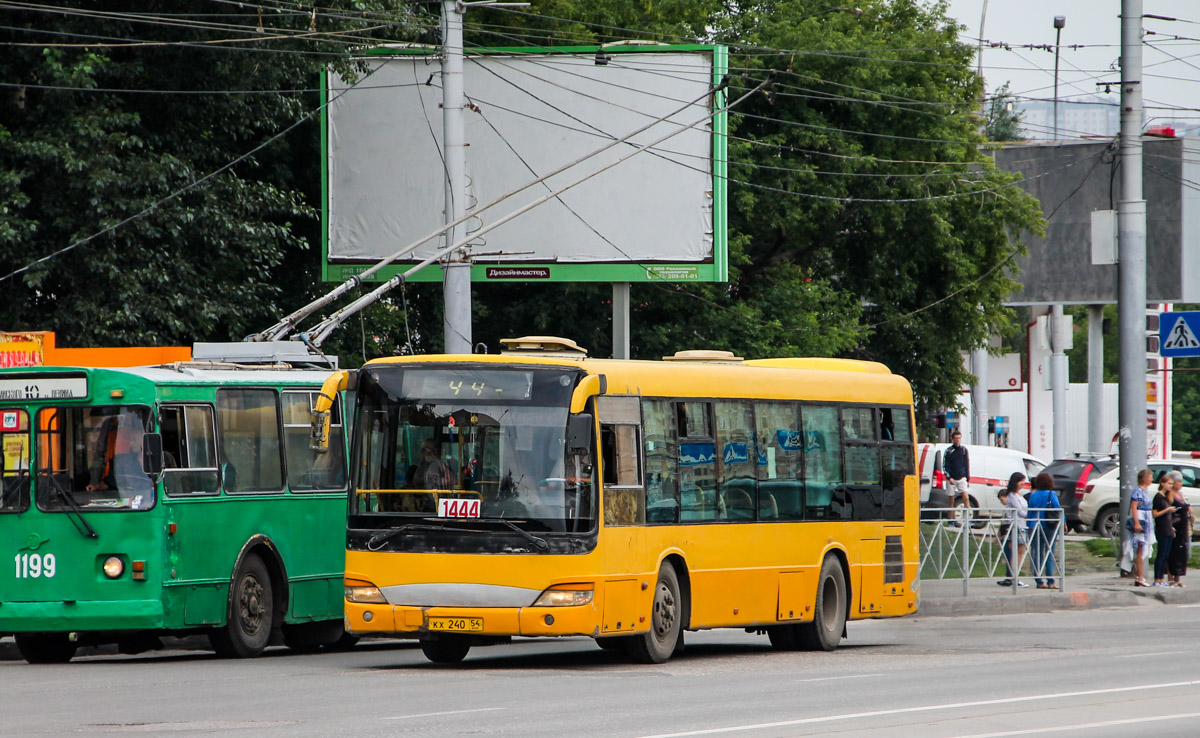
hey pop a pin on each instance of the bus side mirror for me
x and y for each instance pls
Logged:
(580, 428)
(152, 454)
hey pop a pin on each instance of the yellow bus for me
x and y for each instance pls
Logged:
(542, 493)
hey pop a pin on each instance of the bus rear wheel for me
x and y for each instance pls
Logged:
(666, 621)
(251, 613)
(824, 633)
(446, 649)
(48, 648)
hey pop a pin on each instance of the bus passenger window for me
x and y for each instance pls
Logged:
(250, 440)
(662, 455)
(779, 459)
(307, 469)
(624, 498)
(824, 496)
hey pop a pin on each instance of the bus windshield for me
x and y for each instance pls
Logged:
(437, 443)
(91, 457)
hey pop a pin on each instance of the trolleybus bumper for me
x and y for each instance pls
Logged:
(80, 615)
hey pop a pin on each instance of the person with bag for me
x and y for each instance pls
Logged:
(1162, 509)
(1015, 512)
(1182, 521)
(1045, 516)
(1137, 543)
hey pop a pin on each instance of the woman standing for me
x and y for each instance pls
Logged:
(1177, 563)
(1163, 508)
(1015, 512)
(1139, 526)
(1044, 520)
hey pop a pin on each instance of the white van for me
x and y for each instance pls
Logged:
(991, 467)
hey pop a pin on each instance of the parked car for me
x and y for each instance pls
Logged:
(1071, 478)
(991, 467)
(1100, 507)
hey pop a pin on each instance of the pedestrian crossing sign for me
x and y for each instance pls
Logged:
(1179, 334)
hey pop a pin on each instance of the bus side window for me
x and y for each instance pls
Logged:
(307, 469)
(189, 450)
(620, 459)
(824, 497)
(779, 457)
(698, 497)
(662, 455)
(735, 439)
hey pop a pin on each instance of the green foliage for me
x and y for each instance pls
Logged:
(89, 155)
(1003, 119)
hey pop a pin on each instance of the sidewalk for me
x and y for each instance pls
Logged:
(944, 597)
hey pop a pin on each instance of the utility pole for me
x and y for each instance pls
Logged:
(1058, 329)
(1131, 289)
(456, 282)
(1060, 21)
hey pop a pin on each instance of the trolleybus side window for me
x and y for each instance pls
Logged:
(189, 450)
(662, 456)
(822, 462)
(620, 446)
(735, 437)
(15, 454)
(251, 448)
(780, 460)
(309, 471)
(697, 463)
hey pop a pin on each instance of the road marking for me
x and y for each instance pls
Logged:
(1144, 655)
(834, 679)
(436, 714)
(1057, 729)
(923, 708)
(1184, 607)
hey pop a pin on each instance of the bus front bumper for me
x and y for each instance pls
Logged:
(80, 615)
(368, 619)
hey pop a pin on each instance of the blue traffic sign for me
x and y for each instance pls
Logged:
(1179, 334)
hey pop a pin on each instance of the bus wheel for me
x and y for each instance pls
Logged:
(824, 633)
(251, 613)
(785, 637)
(446, 649)
(309, 637)
(666, 623)
(50, 648)
(613, 643)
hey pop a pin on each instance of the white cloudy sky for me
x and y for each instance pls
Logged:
(1172, 67)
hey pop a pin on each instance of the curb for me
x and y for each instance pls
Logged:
(1018, 604)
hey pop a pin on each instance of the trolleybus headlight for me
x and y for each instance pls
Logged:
(113, 567)
(566, 595)
(365, 592)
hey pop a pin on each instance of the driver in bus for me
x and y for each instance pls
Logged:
(119, 466)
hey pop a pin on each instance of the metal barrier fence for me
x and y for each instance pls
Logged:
(958, 544)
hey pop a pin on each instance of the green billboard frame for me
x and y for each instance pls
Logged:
(714, 270)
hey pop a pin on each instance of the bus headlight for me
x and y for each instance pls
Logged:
(363, 592)
(113, 567)
(565, 595)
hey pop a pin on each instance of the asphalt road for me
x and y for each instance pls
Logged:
(1097, 673)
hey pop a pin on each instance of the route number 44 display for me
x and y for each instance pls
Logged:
(468, 508)
(32, 566)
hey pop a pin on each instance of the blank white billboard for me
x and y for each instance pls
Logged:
(527, 115)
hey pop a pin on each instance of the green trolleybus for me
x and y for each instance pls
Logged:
(170, 500)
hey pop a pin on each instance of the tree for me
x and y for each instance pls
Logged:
(1003, 121)
(137, 192)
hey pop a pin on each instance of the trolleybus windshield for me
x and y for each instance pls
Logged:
(91, 458)
(446, 447)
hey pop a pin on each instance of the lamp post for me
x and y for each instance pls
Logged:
(1059, 22)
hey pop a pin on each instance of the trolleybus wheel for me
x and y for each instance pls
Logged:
(446, 649)
(666, 621)
(824, 633)
(48, 648)
(251, 613)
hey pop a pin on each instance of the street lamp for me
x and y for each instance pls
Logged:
(1059, 22)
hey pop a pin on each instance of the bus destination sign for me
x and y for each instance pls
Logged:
(43, 388)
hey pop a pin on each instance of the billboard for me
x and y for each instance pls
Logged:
(660, 215)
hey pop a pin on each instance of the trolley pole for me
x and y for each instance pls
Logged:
(456, 283)
(1131, 294)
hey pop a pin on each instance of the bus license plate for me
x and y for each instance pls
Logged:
(464, 625)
